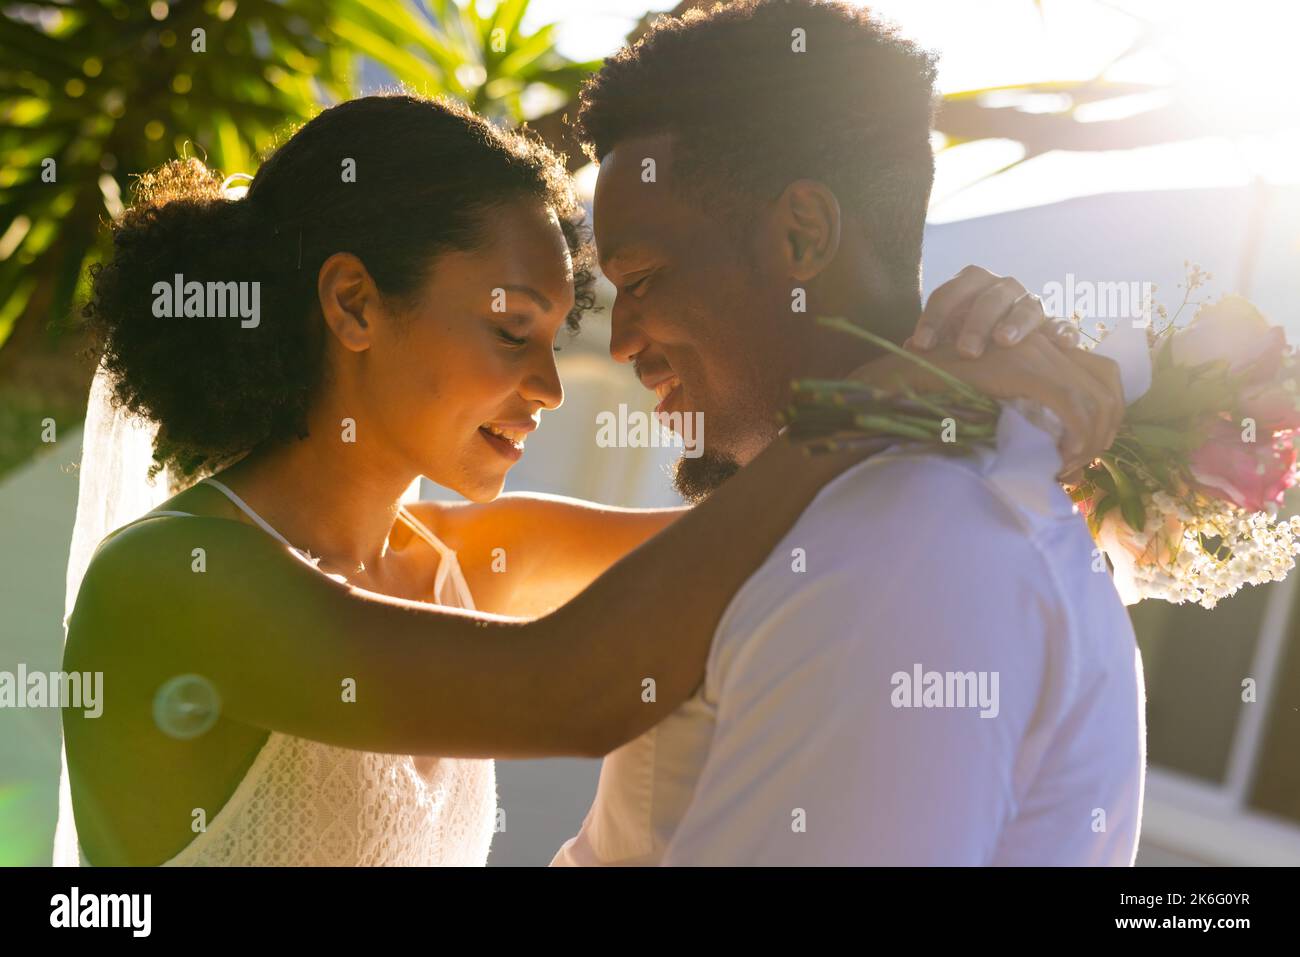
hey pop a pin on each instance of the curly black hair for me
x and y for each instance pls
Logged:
(751, 110)
(427, 173)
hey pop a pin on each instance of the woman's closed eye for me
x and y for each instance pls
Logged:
(518, 342)
(514, 341)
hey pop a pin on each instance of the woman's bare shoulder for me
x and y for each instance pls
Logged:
(146, 569)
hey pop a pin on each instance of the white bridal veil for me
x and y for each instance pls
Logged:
(113, 489)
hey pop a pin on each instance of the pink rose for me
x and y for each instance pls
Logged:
(1272, 407)
(1233, 330)
(1248, 474)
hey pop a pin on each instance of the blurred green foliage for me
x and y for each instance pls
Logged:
(94, 92)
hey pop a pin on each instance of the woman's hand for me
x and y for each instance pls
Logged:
(977, 307)
(1083, 390)
(1039, 360)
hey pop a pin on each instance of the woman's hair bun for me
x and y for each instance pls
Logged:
(220, 381)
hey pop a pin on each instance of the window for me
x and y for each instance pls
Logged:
(1223, 781)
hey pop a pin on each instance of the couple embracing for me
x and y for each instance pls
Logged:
(355, 663)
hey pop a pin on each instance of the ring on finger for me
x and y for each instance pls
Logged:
(1029, 295)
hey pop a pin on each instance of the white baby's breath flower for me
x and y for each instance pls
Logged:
(1250, 548)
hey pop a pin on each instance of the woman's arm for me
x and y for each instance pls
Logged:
(526, 554)
(281, 643)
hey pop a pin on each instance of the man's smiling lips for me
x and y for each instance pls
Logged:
(663, 387)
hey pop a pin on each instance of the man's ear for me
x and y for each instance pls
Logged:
(807, 217)
(349, 300)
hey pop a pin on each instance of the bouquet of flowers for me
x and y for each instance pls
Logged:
(1184, 503)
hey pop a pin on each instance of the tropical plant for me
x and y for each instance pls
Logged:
(94, 92)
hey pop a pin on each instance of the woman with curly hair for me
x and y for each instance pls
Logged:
(356, 693)
(296, 672)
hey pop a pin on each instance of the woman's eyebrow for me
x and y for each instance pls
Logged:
(533, 294)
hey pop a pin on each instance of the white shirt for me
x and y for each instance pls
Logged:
(796, 749)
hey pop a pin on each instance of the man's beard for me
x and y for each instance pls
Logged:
(696, 478)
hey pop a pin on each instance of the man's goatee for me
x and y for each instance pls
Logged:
(697, 478)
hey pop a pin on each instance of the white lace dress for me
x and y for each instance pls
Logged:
(304, 803)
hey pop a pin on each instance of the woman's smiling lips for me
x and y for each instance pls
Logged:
(507, 437)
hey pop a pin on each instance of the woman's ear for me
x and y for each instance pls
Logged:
(349, 300)
(807, 218)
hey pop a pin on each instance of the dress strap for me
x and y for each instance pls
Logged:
(247, 509)
(449, 571)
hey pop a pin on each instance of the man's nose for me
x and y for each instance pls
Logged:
(625, 336)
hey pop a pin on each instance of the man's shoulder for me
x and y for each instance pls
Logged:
(915, 540)
(1012, 480)
(911, 492)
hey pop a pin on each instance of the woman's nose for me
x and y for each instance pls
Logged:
(543, 384)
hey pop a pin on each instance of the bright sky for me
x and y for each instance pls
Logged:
(1239, 56)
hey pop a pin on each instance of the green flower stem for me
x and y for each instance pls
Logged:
(890, 426)
(843, 325)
